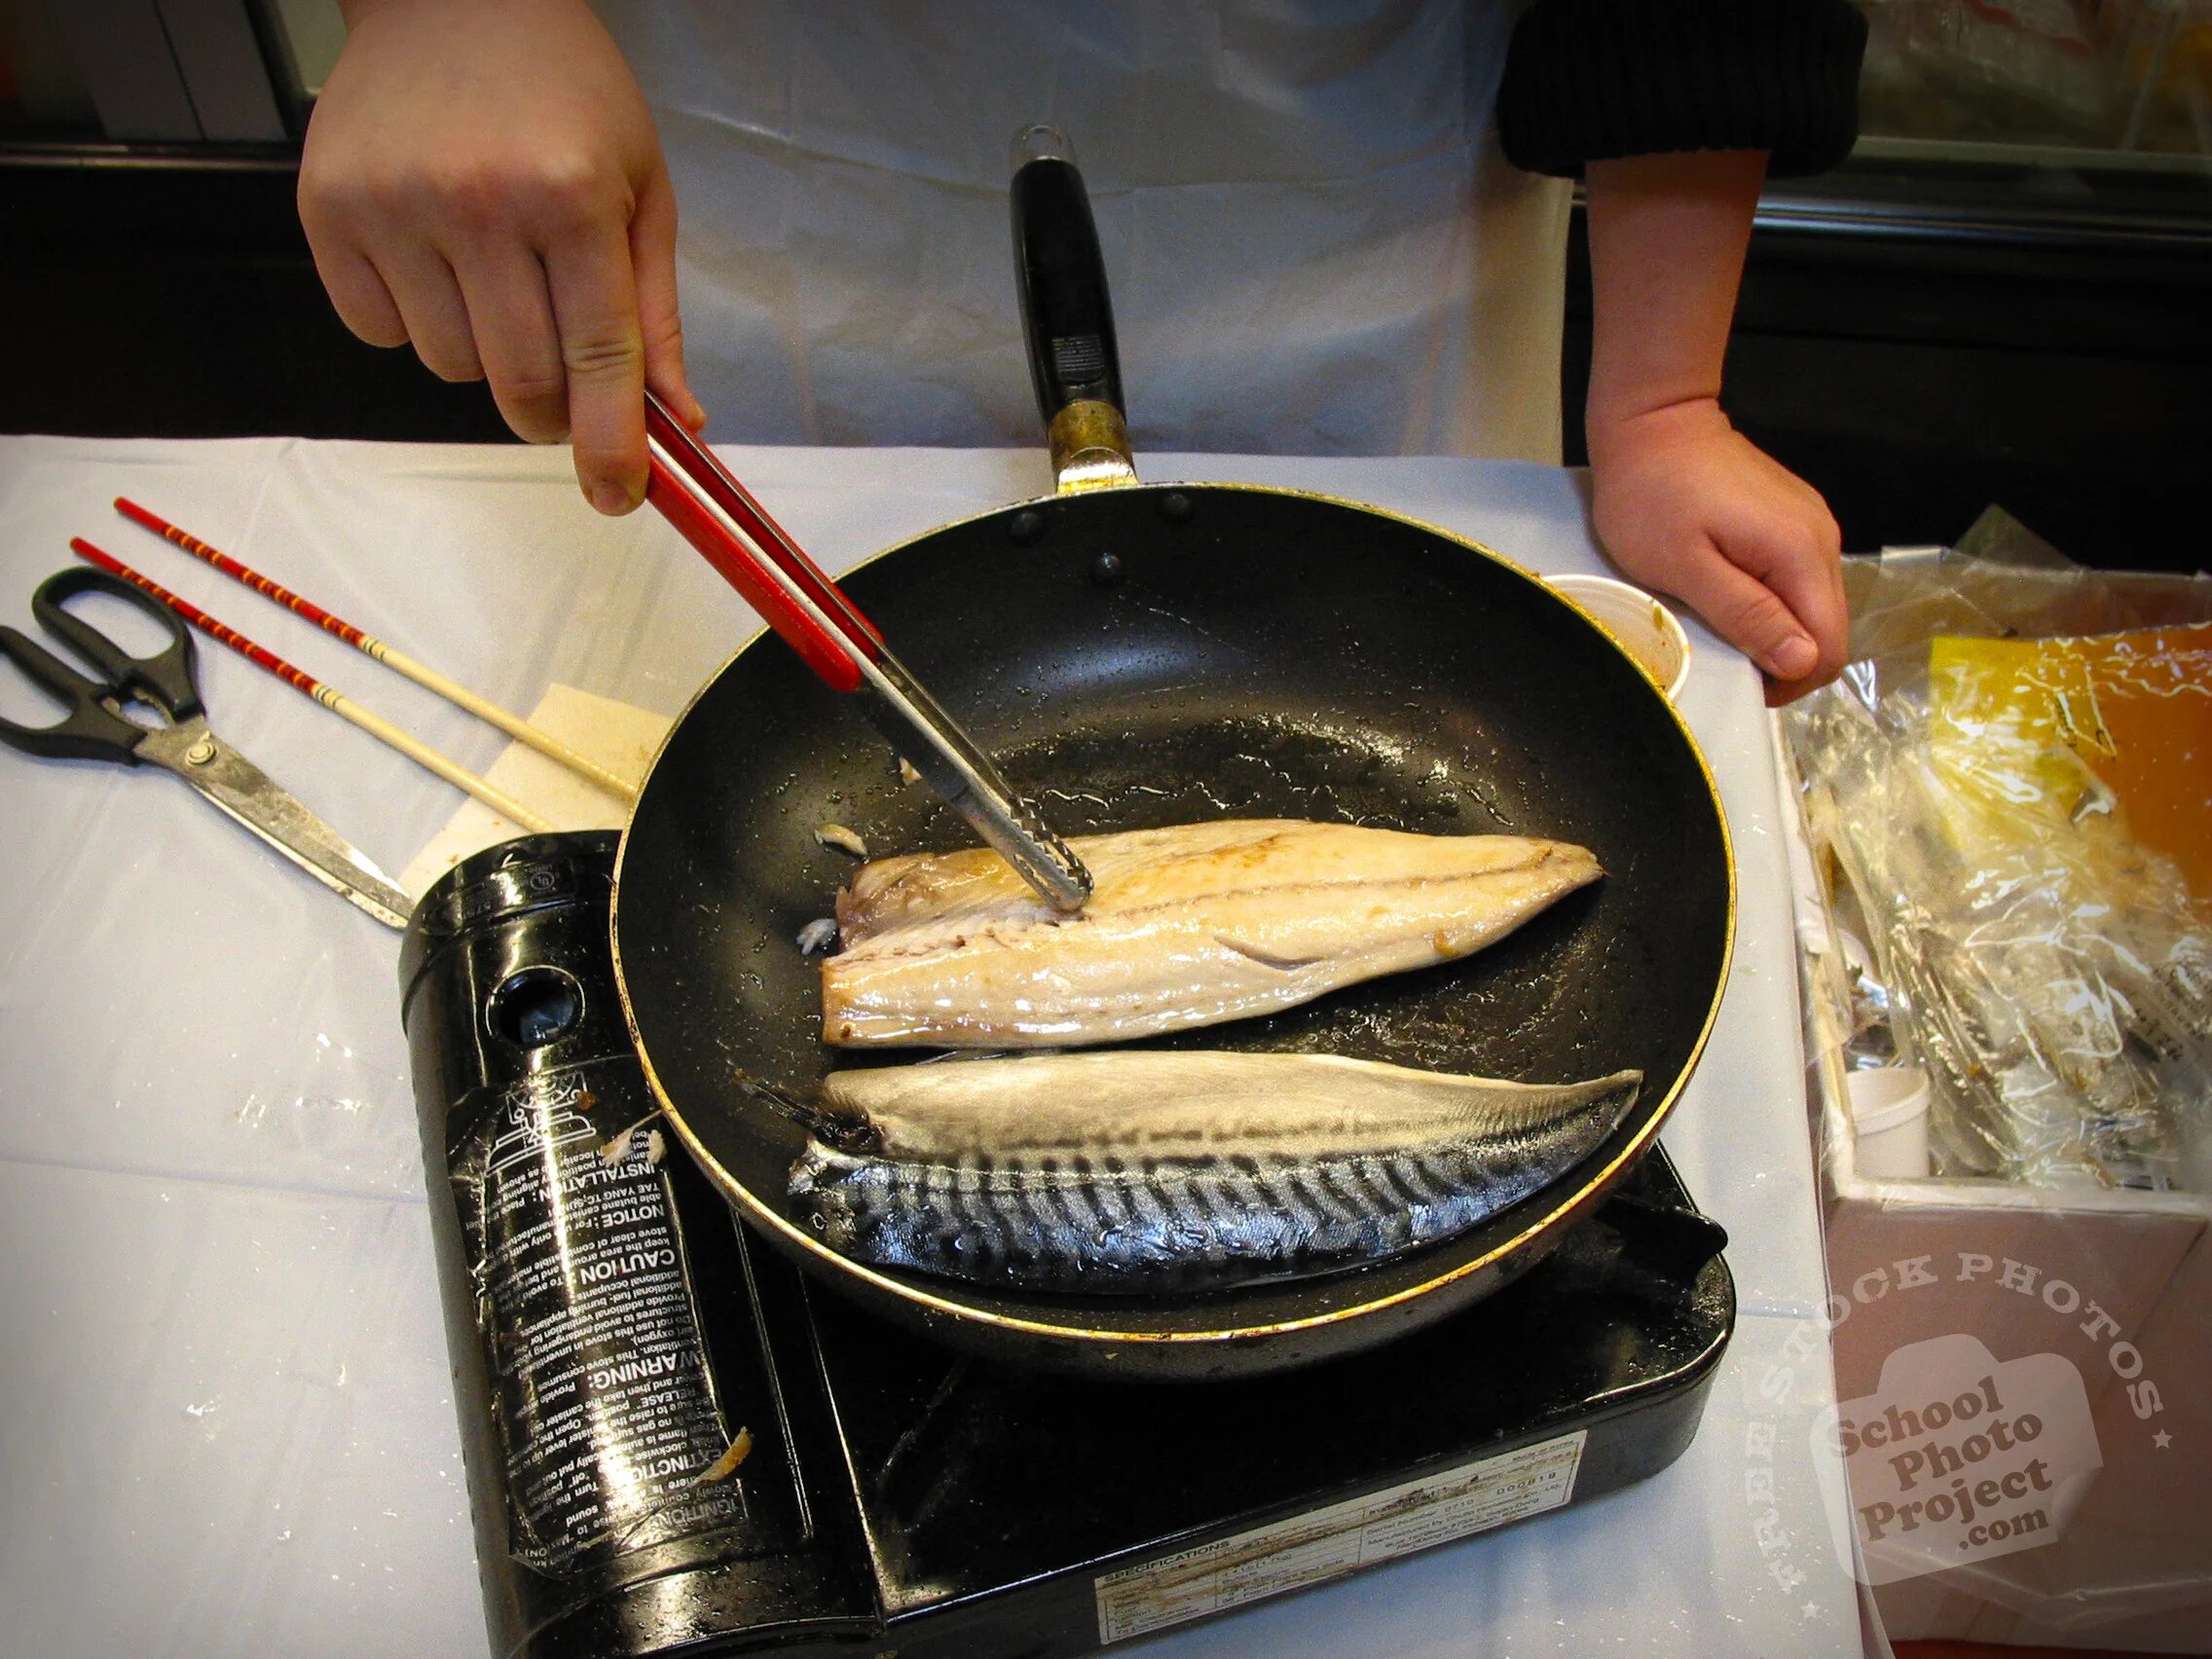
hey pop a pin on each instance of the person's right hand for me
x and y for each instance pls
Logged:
(481, 178)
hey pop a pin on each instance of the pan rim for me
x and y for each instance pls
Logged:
(1585, 1193)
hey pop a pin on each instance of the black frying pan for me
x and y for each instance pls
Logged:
(1146, 654)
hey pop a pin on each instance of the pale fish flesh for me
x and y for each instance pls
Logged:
(1187, 926)
(1136, 1173)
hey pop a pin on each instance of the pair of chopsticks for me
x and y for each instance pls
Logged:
(330, 697)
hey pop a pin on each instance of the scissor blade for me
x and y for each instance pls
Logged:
(239, 788)
(950, 763)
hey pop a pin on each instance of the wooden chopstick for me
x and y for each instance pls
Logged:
(505, 805)
(544, 742)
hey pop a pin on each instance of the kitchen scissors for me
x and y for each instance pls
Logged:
(95, 728)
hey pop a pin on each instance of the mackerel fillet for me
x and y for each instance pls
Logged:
(1187, 926)
(1142, 1172)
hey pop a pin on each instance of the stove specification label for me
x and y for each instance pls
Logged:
(599, 1381)
(1340, 1540)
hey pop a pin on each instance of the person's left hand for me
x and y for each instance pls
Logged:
(1687, 505)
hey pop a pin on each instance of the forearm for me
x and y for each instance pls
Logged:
(356, 12)
(1675, 112)
(1667, 239)
(1679, 499)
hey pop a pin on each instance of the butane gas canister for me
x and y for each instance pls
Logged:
(626, 1443)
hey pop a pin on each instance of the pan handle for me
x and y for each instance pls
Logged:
(1067, 318)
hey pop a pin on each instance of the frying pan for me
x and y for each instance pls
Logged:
(1140, 654)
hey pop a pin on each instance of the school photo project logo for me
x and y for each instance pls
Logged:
(1957, 1457)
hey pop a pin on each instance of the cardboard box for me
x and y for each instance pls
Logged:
(2026, 1383)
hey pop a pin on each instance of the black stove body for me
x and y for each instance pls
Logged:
(675, 1444)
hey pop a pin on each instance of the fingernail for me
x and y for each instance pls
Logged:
(610, 499)
(1793, 659)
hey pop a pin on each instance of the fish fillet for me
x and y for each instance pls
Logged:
(1187, 926)
(1143, 1172)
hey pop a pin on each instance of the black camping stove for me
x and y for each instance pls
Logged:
(676, 1445)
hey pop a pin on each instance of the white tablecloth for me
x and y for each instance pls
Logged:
(227, 1427)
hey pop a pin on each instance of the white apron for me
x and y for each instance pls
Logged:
(1314, 241)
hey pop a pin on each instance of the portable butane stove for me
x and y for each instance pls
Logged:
(877, 1492)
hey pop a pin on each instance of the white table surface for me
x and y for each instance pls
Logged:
(227, 1427)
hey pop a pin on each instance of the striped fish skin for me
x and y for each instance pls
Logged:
(1187, 926)
(1115, 1214)
(1205, 1103)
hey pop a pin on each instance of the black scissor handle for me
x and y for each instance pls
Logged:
(88, 732)
(165, 678)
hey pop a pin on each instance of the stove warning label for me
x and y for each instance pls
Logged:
(1342, 1538)
(600, 1388)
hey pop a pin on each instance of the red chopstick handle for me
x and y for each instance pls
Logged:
(819, 649)
(706, 472)
(259, 655)
(237, 571)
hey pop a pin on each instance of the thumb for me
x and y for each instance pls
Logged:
(1746, 613)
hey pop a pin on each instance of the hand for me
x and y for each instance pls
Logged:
(481, 178)
(1688, 507)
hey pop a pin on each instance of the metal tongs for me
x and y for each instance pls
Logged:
(718, 516)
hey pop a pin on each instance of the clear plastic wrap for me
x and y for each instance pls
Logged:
(2019, 821)
(2132, 76)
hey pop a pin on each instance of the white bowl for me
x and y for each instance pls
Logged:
(1646, 630)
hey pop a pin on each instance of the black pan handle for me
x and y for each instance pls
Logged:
(1067, 318)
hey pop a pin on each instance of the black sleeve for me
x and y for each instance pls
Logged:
(1595, 80)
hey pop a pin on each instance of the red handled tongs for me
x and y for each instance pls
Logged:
(718, 516)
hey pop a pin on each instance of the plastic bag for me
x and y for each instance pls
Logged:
(2020, 821)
